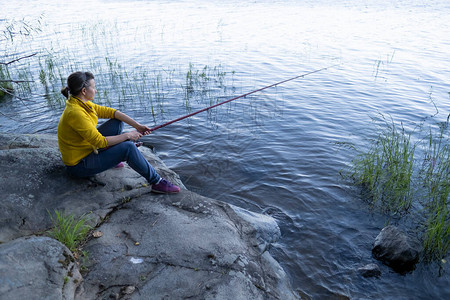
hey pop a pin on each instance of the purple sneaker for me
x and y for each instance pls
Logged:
(119, 165)
(165, 187)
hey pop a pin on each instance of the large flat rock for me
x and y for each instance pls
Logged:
(153, 246)
(180, 246)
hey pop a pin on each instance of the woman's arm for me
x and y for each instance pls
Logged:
(116, 139)
(132, 135)
(144, 130)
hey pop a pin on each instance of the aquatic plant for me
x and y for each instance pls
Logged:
(386, 172)
(68, 229)
(436, 181)
(20, 28)
(6, 86)
(205, 83)
(119, 82)
(437, 234)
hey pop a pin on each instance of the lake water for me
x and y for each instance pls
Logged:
(274, 151)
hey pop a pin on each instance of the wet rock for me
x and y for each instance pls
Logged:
(168, 246)
(396, 249)
(370, 270)
(266, 228)
(37, 268)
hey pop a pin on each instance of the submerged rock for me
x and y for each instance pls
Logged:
(159, 246)
(396, 250)
(370, 270)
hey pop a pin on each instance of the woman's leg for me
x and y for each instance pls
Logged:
(106, 159)
(111, 127)
(125, 151)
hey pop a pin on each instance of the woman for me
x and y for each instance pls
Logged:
(87, 150)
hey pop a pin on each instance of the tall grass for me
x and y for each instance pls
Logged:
(437, 234)
(24, 27)
(389, 174)
(6, 86)
(436, 181)
(385, 170)
(119, 80)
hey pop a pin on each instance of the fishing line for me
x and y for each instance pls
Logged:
(241, 96)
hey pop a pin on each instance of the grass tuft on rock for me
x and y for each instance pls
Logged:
(68, 229)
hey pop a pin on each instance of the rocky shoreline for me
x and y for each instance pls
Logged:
(152, 246)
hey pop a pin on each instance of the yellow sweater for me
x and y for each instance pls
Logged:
(77, 129)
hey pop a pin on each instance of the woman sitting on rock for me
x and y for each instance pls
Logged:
(87, 150)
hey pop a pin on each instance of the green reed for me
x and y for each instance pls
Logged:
(20, 28)
(436, 181)
(149, 85)
(205, 82)
(6, 86)
(386, 172)
(117, 81)
(437, 234)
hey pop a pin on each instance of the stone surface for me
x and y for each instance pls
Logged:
(37, 268)
(395, 249)
(189, 247)
(164, 246)
(265, 227)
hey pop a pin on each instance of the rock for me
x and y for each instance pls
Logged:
(168, 246)
(370, 270)
(211, 246)
(37, 268)
(20, 141)
(128, 290)
(396, 250)
(266, 228)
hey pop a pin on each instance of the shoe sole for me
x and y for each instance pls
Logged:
(160, 192)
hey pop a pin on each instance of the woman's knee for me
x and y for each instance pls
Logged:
(111, 127)
(119, 123)
(129, 147)
(116, 123)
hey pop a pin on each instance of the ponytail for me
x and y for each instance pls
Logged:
(65, 91)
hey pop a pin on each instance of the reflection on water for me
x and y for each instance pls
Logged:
(273, 151)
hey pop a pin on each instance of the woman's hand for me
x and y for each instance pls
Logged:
(144, 130)
(127, 136)
(133, 135)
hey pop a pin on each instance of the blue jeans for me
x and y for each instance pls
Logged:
(111, 156)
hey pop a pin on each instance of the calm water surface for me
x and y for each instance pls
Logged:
(274, 151)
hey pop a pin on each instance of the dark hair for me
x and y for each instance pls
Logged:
(76, 82)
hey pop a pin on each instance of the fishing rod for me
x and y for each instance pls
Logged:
(238, 97)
